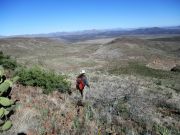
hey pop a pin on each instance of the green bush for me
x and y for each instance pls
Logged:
(7, 62)
(162, 130)
(121, 109)
(47, 80)
(158, 82)
(89, 112)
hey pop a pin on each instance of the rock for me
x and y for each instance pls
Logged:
(163, 64)
(176, 68)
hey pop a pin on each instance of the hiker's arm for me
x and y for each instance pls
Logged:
(86, 82)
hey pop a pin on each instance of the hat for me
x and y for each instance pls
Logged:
(82, 72)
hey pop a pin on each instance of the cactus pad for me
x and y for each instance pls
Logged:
(8, 104)
(2, 112)
(1, 71)
(7, 125)
(5, 101)
(4, 87)
(15, 79)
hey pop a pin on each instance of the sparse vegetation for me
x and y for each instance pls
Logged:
(167, 39)
(89, 112)
(121, 109)
(162, 130)
(131, 99)
(135, 68)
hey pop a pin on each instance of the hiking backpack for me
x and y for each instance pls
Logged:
(80, 84)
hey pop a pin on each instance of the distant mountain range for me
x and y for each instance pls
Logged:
(92, 34)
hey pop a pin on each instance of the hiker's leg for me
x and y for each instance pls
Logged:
(81, 93)
(84, 94)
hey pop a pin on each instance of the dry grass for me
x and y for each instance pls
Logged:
(138, 103)
(114, 104)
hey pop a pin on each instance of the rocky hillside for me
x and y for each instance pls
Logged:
(114, 104)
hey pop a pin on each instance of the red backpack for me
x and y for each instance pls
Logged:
(80, 84)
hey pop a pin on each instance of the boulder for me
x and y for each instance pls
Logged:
(176, 68)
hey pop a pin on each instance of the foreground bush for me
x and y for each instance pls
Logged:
(6, 104)
(47, 80)
(7, 62)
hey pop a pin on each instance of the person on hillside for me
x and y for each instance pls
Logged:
(81, 82)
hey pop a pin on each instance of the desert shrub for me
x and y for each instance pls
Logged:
(170, 107)
(175, 86)
(47, 80)
(136, 68)
(162, 130)
(7, 62)
(158, 82)
(89, 112)
(76, 123)
(122, 109)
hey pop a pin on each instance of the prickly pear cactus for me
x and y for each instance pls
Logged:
(1, 74)
(5, 101)
(6, 104)
(1, 71)
(7, 84)
(1, 112)
(6, 126)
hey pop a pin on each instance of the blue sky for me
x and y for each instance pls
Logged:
(44, 16)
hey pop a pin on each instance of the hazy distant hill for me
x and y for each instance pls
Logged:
(92, 34)
(1, 36)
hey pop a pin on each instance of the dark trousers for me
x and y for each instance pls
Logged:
(81, 91)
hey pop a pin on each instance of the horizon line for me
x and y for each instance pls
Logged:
(95, 29)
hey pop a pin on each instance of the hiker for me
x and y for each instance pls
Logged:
(81, 82)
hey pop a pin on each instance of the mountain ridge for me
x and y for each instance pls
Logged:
(115, 31)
